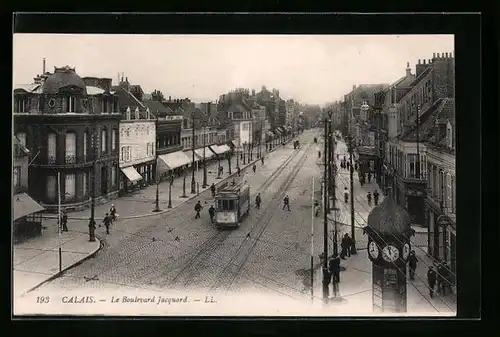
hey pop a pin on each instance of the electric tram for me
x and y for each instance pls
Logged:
(232, 204)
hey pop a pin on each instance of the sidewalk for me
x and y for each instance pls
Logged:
(36, 260)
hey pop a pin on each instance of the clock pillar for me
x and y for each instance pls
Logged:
(388, 247)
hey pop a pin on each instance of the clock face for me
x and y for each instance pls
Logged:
(406, 251)
(390, 253)
(373, 250)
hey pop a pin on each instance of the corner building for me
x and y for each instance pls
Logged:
(70, 127)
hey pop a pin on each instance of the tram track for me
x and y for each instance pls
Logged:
(233, 269)
(193, 265)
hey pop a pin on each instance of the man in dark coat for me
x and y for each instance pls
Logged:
(254, 167)
(369, 177)
(211, 212)
(431, 280)
(197, 208)
(212, 189)
(107, 222)
(262, 160)
(412, 263)
(258, 200)
(345, 245)
(238, 170)
(286, 202)
(64, 221)
(334, 268)
(375, 197)
(91, 230)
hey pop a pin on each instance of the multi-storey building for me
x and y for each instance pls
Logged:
(441, 187)
(137, 139)
(71, 128)
(410, 128)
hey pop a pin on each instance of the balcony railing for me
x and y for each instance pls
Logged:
(66, 161)
(70, 159)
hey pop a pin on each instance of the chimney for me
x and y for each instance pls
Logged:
(408, 69)
(433, 55)
(44, 65)
(126, 79)
(430, 62)
(419, 61)
(169, 98)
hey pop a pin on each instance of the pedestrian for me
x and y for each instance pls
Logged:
(221, 169)
(369, 177)
(348, 165)
(343, 247)
(350, 245)
(443, 276)
(91, 230)
(334, 269)
(431, 280)
(346, 195)
(258, 200)
(254, 167)
(238, 170)
(286, 202)
(112, 212)
(262, 160)
(197, 208)
(212, 189)
(319, 154)
(107, 222)
(369, 198)
(356, 166)
(412, 263)
(211, 212)
(64, 221)
(375, 197)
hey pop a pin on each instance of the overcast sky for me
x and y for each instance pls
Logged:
(313, 69)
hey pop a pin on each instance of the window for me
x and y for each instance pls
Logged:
(115, 106)
(153, 149)
(51, 148)
(128, 113)
(448, 192)
(114, 137)
(103, 140)
(85, 144)
(122, 154)
(137, 113)
(453, 200)
(70, 154)
(71, 104)
(21, 105)
(17, 176)
(51, 187)
(70, 186)
(129, 153)
(104, 106)
(230, 115)
(449, 135)
(84, 183)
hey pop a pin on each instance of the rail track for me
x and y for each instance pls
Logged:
(234, 267)
(193, 265)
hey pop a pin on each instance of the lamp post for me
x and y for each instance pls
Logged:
(204, 185)
(229, 155)
(157, 201)
(244, 153)
(170, 190)
(193, 180)
(326, 276)
(351, 181)
(218, 163)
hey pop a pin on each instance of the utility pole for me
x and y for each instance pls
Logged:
(204, 160)
(193, 181)
(312, 241)
(351, 178)
(157, 201)
(326, 275)
(93, 174)
(59, 218)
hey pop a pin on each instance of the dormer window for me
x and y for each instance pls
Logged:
(128, 113)
(136, 113)
(71, 104)
(104, 106)
(449, 135)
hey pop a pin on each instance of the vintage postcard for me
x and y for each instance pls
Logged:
(247, 175)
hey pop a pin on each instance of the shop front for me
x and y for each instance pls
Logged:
(27, 221)
(174, 163)
(367, 158)
(129, 179)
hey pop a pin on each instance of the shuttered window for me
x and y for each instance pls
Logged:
(84, 183)
(70, 147)
(113, 139)
(51, 187)
(85, 144)
(453, 200)
(103, 140)
(51, 147)
(448, 192)
(70, 186)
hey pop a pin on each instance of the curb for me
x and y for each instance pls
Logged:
(66, 268)
(81, 218)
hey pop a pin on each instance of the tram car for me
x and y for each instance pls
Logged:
(232, 203)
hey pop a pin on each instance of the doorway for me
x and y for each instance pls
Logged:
(104, 180)
(416, 209)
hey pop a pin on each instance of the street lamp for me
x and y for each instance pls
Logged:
(244, 153)
(229, 155)
(170, 190)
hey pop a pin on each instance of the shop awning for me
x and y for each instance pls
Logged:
(219, 149)
(208, 153)
(269, 134)
(277, 132)
(175, 159)
(131, 174)
(231, 142)
(25, 205)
